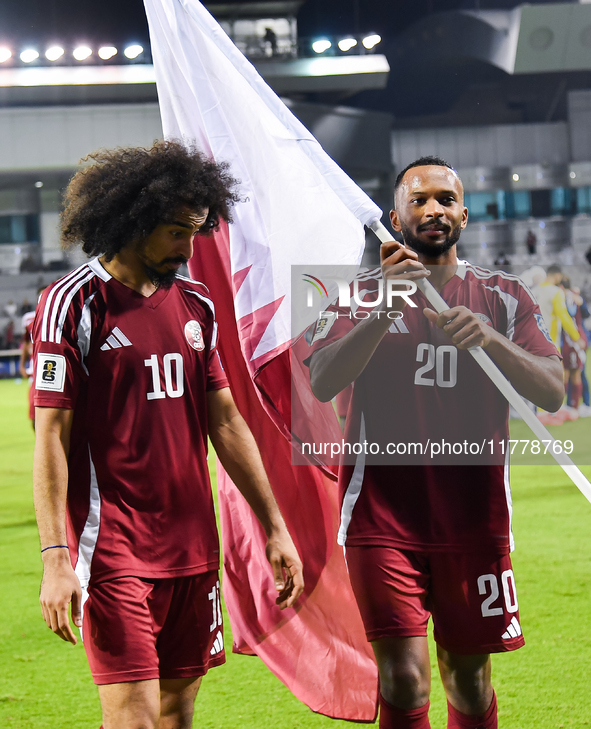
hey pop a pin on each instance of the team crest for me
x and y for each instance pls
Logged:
(194, 335)
(484, 318)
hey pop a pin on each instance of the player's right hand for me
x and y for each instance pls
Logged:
(60, 587)
(398, 261)
(287, 567)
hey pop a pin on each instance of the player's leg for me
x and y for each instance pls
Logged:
(391, 588)
(405, 682)
(166, 704)
(130, 705)
(142, 636)
(475, 613)
(469, 691)
(177, 702)
(404, 669)
(575, 388)
(190, 642)
(585, 383)
(118, 633)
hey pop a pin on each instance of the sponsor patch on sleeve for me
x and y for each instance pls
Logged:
(324, 325)
(51, 372)
(542, 327)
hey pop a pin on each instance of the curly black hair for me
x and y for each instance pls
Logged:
(125, 193)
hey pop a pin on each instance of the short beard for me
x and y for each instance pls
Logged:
(431, 250)
(161, 280)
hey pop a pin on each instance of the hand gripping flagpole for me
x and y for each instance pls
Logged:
(501, 382)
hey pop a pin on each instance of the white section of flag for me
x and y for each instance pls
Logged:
(298, 206)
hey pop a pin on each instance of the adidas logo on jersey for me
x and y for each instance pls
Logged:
(513, 630)
(218, 644)
(398, 326)
(115, 340)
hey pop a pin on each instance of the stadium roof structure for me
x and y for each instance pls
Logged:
(260, 9)
(340, 76)
(527, 39)
(512, 64)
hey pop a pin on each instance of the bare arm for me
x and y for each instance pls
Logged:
(539, 379)
(60, 586)
(335, 366)
(238, 452)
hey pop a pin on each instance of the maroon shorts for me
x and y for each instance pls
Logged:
(471, 597)
(136, 629)
(570, 355)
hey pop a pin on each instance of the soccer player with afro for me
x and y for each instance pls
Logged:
(128, 387)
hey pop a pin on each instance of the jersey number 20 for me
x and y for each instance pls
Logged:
(442, 359)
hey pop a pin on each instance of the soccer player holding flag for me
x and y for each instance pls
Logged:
(128, 386)
(294, 204)
(430, 537)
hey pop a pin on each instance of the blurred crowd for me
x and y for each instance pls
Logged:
(11, 323)
(567, 319)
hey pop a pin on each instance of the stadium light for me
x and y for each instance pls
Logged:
(5, 54)
(107, 52)
(572, 175)
(346, 44)
(322, 45)
(132, 52)
(54, 53)
(82, 53)
(29, 55)
(515, 177)
(371, 40)
(38, 184)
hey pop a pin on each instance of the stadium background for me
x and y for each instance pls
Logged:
(500, 90)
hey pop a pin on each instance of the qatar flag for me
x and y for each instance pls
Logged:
(297, 208)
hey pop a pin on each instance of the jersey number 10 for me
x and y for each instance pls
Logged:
(174, 385)
(442, 359)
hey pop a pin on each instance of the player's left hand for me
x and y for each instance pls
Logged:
(287, 568)
(462, 326)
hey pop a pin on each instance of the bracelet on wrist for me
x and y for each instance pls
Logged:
(55, 546)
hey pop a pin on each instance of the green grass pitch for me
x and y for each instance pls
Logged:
(46, 684)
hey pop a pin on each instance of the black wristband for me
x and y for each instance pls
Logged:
(55, 546)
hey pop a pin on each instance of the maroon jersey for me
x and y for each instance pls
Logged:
(135, 370)
(418, 392)
(27, 323)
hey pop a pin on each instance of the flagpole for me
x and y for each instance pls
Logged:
(501, 382)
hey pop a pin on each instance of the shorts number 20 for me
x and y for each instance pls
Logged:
(489, 585)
